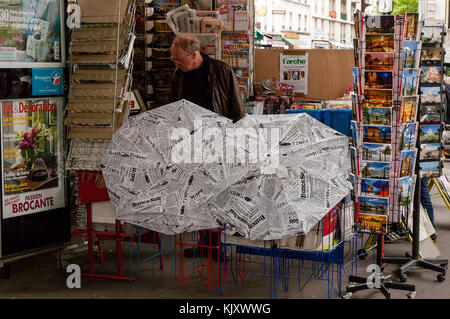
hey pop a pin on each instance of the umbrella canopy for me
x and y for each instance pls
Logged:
(161, 168)
(309, 177)
(182, 168)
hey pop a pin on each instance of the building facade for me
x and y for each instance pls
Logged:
(306, 22)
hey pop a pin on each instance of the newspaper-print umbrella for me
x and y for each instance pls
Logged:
(300, 188)
(159, 172)
(278, 176)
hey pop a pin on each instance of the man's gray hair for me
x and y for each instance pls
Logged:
(188, 43)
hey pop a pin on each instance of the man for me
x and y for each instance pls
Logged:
(204, 81)
(209, 83)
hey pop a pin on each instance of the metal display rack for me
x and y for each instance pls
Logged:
(415, 260)
(383, 35)
(158, 66)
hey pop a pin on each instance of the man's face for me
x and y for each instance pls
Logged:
(184, 61)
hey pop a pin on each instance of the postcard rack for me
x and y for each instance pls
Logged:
(429, 154)
(384, 130)
(431, 101)
(386, 136)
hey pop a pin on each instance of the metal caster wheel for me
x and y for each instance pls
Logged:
(441, 277)
(361, 253)
(411, 295)
(403, 278)
(348, 295)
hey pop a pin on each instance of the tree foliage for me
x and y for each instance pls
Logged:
(402, 6)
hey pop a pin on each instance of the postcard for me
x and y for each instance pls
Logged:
(411, 26)
(356, 107)
(408, 136)
(431, 34)
(355, 75)
(377, 134)
(380, 24)
(407, 161)
(377, 170)
(371, 205)
(409, 109)
(357, 21)
(430, 94)
(378, 79)
(377, 115)
(431, 56)
(376, 152)
(431, 74)
(372, 223)
(380, 43)
(430, 169)
(354, 160)
(374, 187)
(410, 82)
(354, 128)
(430, 151)
(430, 113)
(379, 61)
(404, 192)
(356, 51)
(378, 98)
(429, 133)
(410, 56)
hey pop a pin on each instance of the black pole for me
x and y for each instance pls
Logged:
(416, 213)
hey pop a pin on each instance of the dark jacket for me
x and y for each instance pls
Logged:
(226, 97)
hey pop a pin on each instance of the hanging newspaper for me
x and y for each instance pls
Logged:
(182, 168)
(294, 71)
